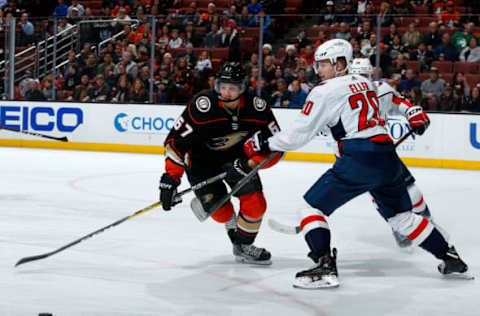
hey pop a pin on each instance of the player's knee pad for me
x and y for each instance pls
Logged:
(253, 205)
(223, 214)
(416, 197)
(312, 218)
(414, 226)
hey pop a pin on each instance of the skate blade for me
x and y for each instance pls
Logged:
(459, 276)
(307, 283)
(248, 261)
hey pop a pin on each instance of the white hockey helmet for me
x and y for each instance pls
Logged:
(332, 50)
(361, 66)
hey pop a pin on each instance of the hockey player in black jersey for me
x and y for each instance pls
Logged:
(207, 139)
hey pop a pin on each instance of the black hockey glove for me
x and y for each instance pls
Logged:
(236, 170)
(168, 190)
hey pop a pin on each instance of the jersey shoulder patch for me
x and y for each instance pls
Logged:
(203, 104)
(259, 104)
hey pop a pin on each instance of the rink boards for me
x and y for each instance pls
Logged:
(452, 141)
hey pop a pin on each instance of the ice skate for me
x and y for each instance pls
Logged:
(251, 254)
(453, 266)
(323, 275)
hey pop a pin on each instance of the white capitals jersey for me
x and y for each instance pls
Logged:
(345, 107)
(391, 102)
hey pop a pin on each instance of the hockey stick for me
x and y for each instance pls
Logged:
(62, 139)
(143, 210)
(203, 214)
(293, 230)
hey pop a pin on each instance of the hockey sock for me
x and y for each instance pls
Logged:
(435, 244)
(247, 229)
(318, 240)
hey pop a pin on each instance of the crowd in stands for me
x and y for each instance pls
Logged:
(428, 48)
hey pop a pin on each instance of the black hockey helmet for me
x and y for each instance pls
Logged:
(231, 72)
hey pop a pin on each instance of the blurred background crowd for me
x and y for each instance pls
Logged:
(103, 49)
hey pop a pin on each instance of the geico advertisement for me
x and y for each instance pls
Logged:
(41, 117)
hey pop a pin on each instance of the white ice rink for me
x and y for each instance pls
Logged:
(168, 263)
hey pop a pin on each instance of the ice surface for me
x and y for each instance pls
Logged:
(167, 263)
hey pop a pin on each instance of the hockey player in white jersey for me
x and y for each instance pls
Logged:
(347, 107)
(391, 103)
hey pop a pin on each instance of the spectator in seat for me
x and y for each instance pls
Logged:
(409, 82)
(267, 50)
(27, 36)
(253, 62)
(34, 93)
(243, 19)
(369, 47)
(121, 5)
(230, 39)
(433, 87)
(392, 32)
(165, 86)
(254, 7)
(268, 71)
(472, 104)
(423, 56)
(357, 50)
(297, 95)
(189, 56)
(107, 61)
(131, 67)
(402, 7)
(362, 6)
(397, 48)
(75, 5)
(448, 101)
(72, 79)
(302, 41)
(289, 63)
(47, 90)
(121, 19)
(328, 15)
(459, 80)
(90, 68)
(461, 39)
(308, 55)
(192, 14)
(386, 14)
(304, 83)
(175, 40)
(412, 37)
(432, 37)
(61, 9)
(121, 91)
(138, 92)
(192, 36)
(349, 14)
(471, 53)
(416, 97)
(364, 31)
(280, 97)
(449, 17)
(449, 51)
(203, 66)
(100, 91)
(344, 32)
(81, 91)
(213, 39)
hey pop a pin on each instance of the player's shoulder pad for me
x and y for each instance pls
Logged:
(203, 105)
(259, 104)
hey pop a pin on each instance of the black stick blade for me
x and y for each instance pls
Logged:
(32, 258)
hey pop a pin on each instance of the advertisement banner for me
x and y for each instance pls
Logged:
(452, 140)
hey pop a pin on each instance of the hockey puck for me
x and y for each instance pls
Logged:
(45, 314)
